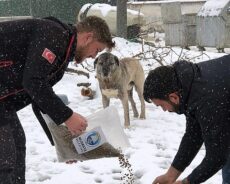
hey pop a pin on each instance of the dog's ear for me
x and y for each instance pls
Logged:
(116, 60)
(95, 62)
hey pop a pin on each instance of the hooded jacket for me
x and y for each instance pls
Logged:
(205, 101)
(34, 54)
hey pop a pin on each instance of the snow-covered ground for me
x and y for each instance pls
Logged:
(154, 141)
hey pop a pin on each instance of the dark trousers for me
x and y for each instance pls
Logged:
(12, 148)
(226, 172)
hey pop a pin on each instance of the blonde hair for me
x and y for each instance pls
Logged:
(99, 27)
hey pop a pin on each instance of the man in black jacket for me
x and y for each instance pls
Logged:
(34, 54)
(202, 93)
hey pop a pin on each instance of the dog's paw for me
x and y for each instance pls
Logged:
(142, 116)
(136, 115)
(127, 126)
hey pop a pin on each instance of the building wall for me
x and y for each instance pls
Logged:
(152, 11)
(211, 32)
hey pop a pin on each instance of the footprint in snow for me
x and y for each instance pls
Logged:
(160, 146)
(116, 174)
(138, 174)
(117, 177)
(165, 164)
(115, 171)
(98, 180)
(86, 169)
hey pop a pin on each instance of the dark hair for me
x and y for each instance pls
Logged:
(160, 82)
(99, 27)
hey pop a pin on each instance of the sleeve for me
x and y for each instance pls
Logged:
(215, 125)
(189, 146)
(38, 68)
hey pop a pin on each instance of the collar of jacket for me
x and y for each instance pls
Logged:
(74, 45)
(185, 76)
(72, 31)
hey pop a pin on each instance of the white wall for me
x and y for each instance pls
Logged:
(152, 10)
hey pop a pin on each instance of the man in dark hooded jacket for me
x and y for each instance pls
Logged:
(202, 93)
(34, 54)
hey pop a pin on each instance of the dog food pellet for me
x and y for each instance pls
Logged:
(128, 176)
(105, 150)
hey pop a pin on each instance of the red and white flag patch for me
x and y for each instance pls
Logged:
(48, 55)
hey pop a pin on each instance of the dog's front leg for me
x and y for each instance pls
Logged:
(140, 94)
(125, 104)
(105, 101)
(142, 115)
(133, 104)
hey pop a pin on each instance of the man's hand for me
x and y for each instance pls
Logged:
(178, 182)
(184, 181)
(169, 177)
(76, 124)
(164, 179)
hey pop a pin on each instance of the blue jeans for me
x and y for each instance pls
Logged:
(226, 172)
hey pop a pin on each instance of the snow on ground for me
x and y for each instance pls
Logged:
(154, 141)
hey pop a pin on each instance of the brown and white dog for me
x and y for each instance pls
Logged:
(117, 79)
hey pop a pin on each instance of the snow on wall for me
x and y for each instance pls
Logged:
(212, 7)
(106, 8)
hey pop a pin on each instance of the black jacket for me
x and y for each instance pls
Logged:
(205, 101)
(34, 54)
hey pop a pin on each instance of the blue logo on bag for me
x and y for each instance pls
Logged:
(93, 139)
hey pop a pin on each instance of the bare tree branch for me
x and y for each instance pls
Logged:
(85, 84)
(79, 72)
